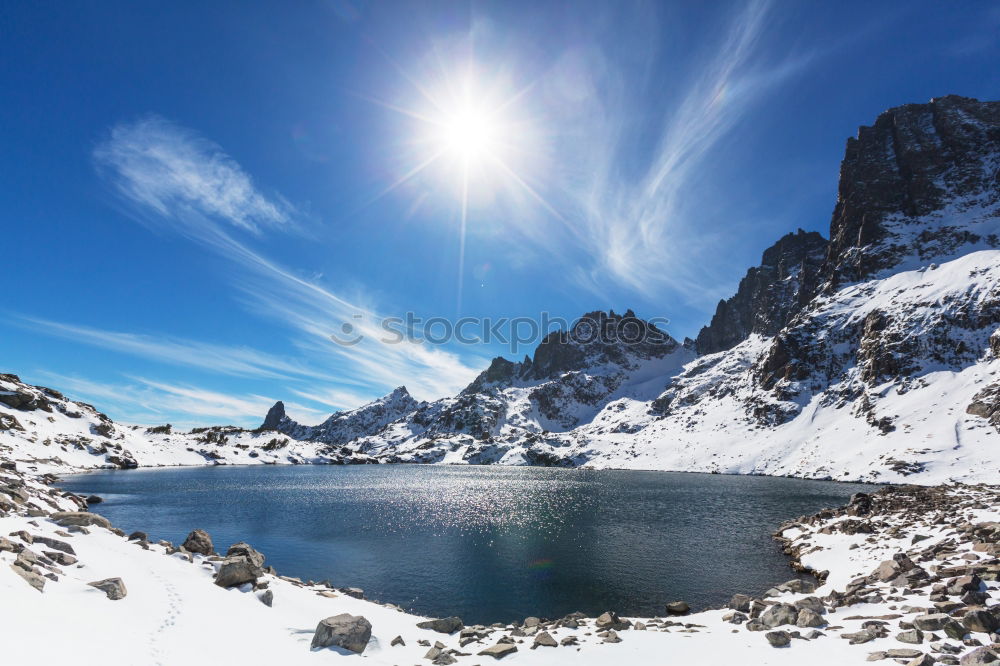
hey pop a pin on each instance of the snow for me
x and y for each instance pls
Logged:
(173, 613)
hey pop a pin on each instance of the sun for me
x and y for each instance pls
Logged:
(470, 135)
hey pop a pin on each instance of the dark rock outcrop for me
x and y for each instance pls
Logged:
(770, 294)
(915, 160)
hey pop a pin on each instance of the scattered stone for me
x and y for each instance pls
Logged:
(114, 588)
(778, 615)
(246, 550)
(355, 592)
(54, 544)
(237, 571)
(778, 638)
(80, 518)
(499, 651)
(809, 618)
(912, 636)
(931, 622)
(445, 625)
(266, 597)
(60, 557)
(351, 632)
(30, 577)
(544, 639)
(978, 657)
(980, 621)
(610, 620)
(678, 608)
(398, 640)
(198, 541)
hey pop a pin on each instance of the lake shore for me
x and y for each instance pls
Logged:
(937, 586)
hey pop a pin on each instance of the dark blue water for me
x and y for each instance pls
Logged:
(487, 543)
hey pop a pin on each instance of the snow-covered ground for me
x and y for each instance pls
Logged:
(174, 613)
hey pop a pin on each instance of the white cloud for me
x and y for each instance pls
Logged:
(176, 173)
(147, 401)
(178, 180)
(642, 224)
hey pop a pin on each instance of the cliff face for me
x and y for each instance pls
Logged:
(921, 183)
(770, 294)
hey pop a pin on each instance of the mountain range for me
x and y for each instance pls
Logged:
(871, 355)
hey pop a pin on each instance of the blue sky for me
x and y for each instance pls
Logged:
(196, 195)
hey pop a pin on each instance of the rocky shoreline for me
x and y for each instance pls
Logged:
(906, 573)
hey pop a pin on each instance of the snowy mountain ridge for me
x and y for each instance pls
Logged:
(872, 356)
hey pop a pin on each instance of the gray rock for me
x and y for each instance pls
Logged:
(678, 608)
(247, 551)
(351, 632)
(54, 544)
(355, 592)
(198, 541)
(815, 604)
(912, 636)
(980, 620)
(237, 571)
(80, 518)
(740, 602)
(902, 653)
(931, 622)
(60, 557)
(266, 597)
(30, 577)
(545, 640)
(444, 625)
(138, 536)
(499, 651)
(922, 660)
(978, 657)
(954, 629)
(610, 620)
(114, 588)
(778, 615)
(398, 640)
(778, 638)
(809, 618)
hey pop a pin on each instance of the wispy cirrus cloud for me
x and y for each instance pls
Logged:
(641, 225)
(176, 180)
(221, 359)
(140, 400)
(175, 173)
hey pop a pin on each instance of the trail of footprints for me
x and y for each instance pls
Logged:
(169, 619)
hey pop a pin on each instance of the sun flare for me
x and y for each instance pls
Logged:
(470, 135)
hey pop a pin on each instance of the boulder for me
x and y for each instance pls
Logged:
(678, 608)
(351, 632)
(80, 519)
(778, 615)
(912, 636)
(778, 638)
(980, 620)
(740, 602)
(30, 577)
(247, 551)
(922, 660)
(355, 592)
(444, 625)
(809, 618)
(236, 571)
(198, 541)
(979, 656)
(114, 588)
(544, 639)
(138, 536)
(266, 597)
(610, 620)
(931, 622)
(54, 544)
(499, 651)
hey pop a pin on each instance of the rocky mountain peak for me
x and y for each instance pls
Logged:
(769, 295)
(595, 338)
(274, 416)
(897, 177)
